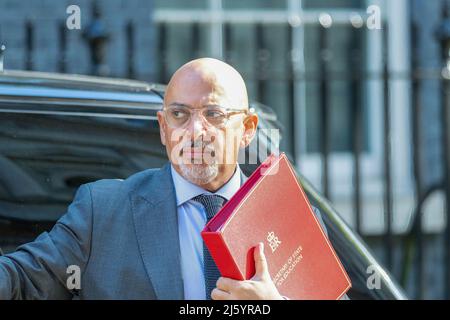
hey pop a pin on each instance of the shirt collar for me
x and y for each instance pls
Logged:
(186, 190)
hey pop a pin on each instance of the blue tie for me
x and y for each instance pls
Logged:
(212, 204)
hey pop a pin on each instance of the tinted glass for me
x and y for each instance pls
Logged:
(45, 158)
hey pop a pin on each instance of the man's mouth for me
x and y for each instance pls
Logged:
(196, 153)
(193, 153)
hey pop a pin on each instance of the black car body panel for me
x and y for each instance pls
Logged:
(60, 131)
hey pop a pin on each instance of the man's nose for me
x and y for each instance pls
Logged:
(196, 126)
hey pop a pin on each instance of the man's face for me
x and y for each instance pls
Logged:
(202, 151)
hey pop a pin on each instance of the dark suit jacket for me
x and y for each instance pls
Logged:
(122, 234)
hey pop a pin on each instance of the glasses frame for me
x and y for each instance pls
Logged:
(229, 112)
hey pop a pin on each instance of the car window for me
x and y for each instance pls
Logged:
(45, 158)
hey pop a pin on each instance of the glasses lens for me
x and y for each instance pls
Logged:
(177, 116)
(180, 116)
(215, 116)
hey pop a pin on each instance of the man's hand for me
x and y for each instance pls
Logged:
(260, 287)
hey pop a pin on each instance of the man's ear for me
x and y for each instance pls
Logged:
(162, 127)
(250, 126)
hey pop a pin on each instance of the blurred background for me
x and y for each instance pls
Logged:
(359, 87)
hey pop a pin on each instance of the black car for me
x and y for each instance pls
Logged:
(60, 131)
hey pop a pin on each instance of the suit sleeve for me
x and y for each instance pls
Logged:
(38, 270)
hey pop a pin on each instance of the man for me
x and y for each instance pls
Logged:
(139, 238)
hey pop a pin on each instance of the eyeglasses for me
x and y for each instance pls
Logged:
(179, 116)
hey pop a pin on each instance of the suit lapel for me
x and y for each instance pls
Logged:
(156, 222)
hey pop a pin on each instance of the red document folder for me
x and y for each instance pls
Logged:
(271, 207)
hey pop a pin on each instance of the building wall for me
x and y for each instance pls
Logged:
(427, 15)
(47, 15)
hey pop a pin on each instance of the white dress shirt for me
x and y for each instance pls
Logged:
(191, 221)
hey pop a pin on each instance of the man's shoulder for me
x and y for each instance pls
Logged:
(116, 187)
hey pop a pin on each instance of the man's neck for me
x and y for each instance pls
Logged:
(220, 181)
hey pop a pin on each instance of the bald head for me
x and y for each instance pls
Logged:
(208, 79)
(201, 148)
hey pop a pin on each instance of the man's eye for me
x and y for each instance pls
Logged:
(179, 114)
(214, 114)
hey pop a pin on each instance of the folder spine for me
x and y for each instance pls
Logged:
(221, 255)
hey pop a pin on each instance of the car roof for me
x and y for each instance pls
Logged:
(36, 86)
(75, 81)
(64, 86)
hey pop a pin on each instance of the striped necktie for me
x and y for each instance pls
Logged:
(212, 204)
